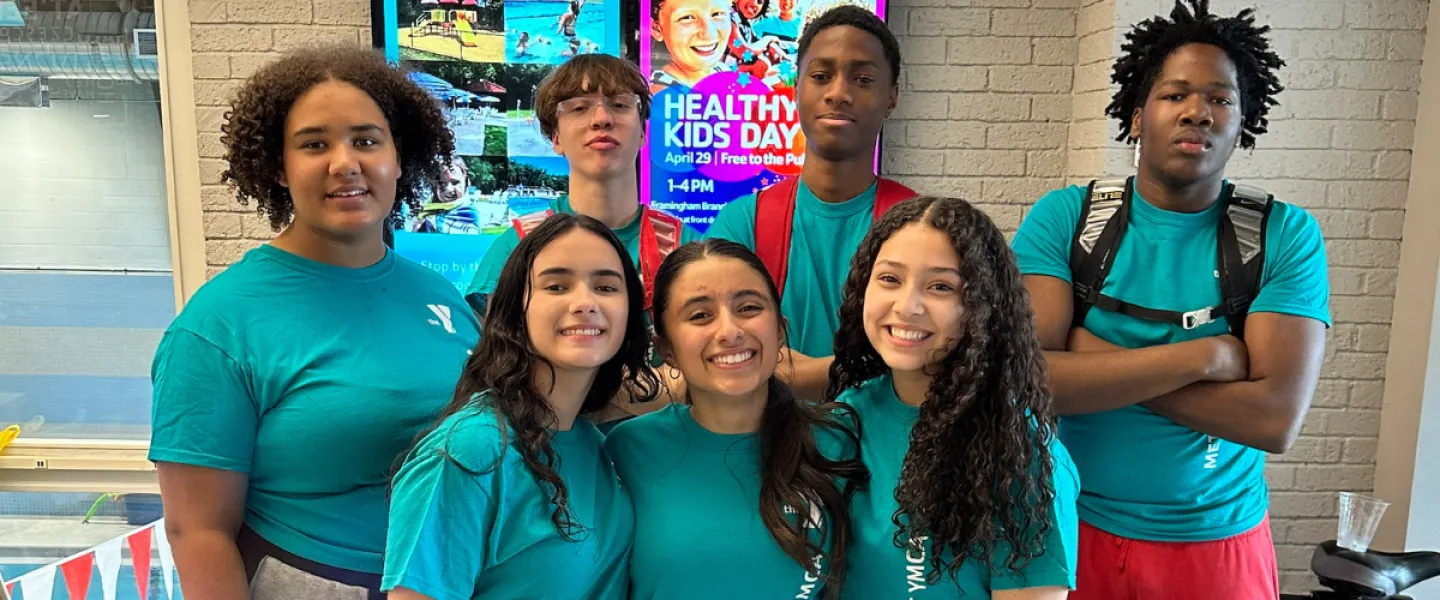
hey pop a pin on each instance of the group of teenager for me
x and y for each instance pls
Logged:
(876, 397)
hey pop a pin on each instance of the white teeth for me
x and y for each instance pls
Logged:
(347, 194)
(908, 335)
(734, 359)
(589, 332)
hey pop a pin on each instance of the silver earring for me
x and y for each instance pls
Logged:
(1137, 154)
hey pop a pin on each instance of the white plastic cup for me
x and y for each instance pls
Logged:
(1359, 518)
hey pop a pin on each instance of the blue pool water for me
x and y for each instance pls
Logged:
(539, 19)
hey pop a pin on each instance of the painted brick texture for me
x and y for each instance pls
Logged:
(1003, 100)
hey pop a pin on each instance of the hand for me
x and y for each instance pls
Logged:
(1082, 341)
(1229, 359)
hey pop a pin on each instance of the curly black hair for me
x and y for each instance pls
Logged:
(502, 368)
(793, 471)
(977, 477)
(255, 125)
(1153, 40)
(849, 15)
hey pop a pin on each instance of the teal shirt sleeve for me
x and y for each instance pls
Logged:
(441, 517)
(487, 275)
(202, 412)
(689, 234)
(736, 222)
(1296, 275)
(1057, 565)
(1042, 244)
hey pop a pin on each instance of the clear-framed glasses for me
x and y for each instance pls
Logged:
(623, 105)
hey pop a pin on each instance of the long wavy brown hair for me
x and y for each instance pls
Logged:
(501, 371)
(977, 477)
(793, 471)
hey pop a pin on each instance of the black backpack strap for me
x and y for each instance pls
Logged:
(1241, 251)
(1104, 215)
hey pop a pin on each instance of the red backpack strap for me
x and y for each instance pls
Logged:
(888, 193)
(774, 218)
(659, 236)
(526, 223)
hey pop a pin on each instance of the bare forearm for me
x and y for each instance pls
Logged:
(806, 376)
(1243, 412)
(1099, 381)
(209, 565)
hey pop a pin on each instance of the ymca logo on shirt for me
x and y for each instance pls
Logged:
(915, 564)
(442, 313)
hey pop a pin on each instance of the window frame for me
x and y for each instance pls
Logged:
(121, 466)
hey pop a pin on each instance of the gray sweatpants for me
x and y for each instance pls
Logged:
(275, 580)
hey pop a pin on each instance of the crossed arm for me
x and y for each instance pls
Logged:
(1254, 393)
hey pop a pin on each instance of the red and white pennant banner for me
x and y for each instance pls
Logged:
(78, 570)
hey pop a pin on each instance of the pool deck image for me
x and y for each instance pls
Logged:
(524, 139)
(468, 45)
(470, 132)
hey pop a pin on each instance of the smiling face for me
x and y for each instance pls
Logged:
(723, 329)
(453, 182)
(913, 311)
(340, 162)
(577, 305)
(749, 8)
(844, 93)
(695, 33)
(1191, 119)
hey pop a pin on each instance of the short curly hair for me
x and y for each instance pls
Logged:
(1153, 40)
(254, 129)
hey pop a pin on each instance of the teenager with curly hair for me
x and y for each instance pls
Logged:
(290, 383)
(1197, 353)
(512, 494)
(972, 495)
(769, 477)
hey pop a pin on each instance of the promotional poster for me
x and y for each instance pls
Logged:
(482, 60)
(723, 123)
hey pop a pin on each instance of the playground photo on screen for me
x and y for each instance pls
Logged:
(551, 31)
(523, 135)
(466, 30)
(472, 96)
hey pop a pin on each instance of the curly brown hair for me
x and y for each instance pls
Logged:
(606, 75)
(977, 476)
(255, 125)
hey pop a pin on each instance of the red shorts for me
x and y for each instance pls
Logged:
(1236, 568)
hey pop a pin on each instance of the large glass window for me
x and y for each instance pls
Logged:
(86, 282)
(87, 285)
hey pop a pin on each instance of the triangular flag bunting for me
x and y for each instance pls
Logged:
(167, 558)
(107, 557)
(77, 575)
(39, 583)
(140, 557)
(10, 589)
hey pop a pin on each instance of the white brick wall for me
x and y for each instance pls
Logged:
(1002, 100)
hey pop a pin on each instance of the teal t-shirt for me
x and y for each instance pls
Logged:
(698, 531)
(312, 379)
(1147, 477)
(824, 238)
(879, 570)
(487, 275)
(469, 520)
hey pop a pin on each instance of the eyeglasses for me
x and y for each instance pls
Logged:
(623, 105)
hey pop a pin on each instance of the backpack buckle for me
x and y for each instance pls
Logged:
(1196, 318)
